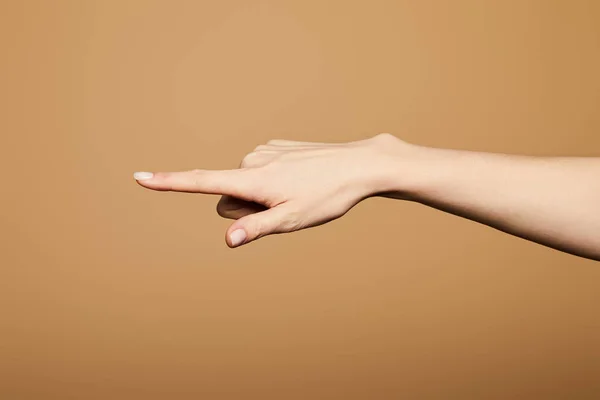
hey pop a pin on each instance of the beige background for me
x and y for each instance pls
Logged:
(108, 291)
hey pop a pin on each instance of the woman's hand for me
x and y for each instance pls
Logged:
(285, 186)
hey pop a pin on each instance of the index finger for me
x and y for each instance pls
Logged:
(233, 182)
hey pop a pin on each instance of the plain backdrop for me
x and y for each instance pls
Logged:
(109, 291)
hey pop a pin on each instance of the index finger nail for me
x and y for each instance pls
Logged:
(142, 176)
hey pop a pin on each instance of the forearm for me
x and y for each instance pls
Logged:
(551, 201)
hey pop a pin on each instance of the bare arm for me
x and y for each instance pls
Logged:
(285, 186)
(554, 201)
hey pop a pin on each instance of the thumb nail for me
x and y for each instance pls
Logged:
(237, 237)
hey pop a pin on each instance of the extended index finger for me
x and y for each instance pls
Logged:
(233, 182)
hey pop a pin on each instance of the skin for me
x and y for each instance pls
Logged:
(284, 186)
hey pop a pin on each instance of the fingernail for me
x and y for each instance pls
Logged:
(142, 176)
(237, 237)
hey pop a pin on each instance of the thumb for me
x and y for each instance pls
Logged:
(255, 226)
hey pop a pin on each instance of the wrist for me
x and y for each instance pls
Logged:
(400, 169)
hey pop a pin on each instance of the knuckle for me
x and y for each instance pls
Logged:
(267, 147)
(246, 161)
(255, 228)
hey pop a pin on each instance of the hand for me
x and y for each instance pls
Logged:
(286, 186)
